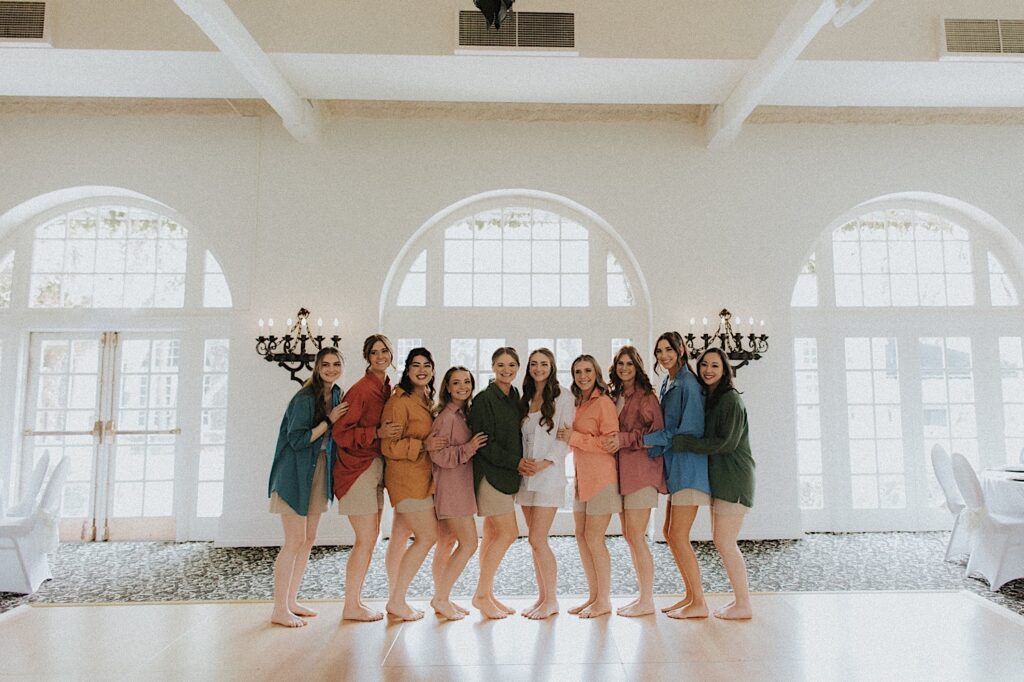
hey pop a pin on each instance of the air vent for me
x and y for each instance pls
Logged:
(527, 31)
(983, 39)
(23, 23)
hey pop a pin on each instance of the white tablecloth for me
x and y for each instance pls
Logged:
(1003, 495)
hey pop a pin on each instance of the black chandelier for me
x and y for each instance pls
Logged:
(297, 348)
(739, 348)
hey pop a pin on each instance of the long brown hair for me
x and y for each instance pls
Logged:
(315, 384)
(547, 397)
(676, 343)
(504, 350)
(445, 396)
(643, 382)
(368, 346)
(598, 379)
(724, 384)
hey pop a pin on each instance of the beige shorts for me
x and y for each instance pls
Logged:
(606, 501)
(317, 494)
(541, 498)
(492, 502)
(366, 496)
(411, 504)
(645, 498)
(722, 507)
(690, 497)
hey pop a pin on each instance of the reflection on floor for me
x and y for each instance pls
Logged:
(851, 635)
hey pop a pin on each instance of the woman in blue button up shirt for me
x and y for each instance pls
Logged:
(300, 479)
(686, 473)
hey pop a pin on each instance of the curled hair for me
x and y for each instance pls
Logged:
(405, 383)
(643, 382)
(598, 379)
(315, 384)
(445, 396)
(504, 350)
(724, 384)
(548, 394)
(676, 343)
(368, 346)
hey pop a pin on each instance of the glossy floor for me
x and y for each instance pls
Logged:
(814, 636)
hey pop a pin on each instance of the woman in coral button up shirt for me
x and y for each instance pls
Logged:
(597, 487)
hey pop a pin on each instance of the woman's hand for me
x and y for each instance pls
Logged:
(478, 441)
(526, 467)
(337, 412)
(389, 430)
(611, 443)
(564, 433)
(436, 442)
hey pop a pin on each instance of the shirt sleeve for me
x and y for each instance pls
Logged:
(453, 454)
(607, 425)
(732, 419)
(690, 407)
(396, 410)
(300, 422)
(482, 418)
(346, 431)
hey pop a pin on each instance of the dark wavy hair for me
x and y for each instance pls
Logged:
(547, 397)
(675, 341)
(445, 396)
(315, 384)
(598, 379)
(643, 382)
(405, 383)
(724, 385)
(368, 346)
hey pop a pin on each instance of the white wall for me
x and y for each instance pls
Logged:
(319, 226)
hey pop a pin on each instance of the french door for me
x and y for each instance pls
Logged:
(109, 403)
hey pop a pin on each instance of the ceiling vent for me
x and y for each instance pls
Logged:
(521, 32)
(983, 39)
(24, 24)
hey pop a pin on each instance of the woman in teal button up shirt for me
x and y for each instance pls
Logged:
(300, 479)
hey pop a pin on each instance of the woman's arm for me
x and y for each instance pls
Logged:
(647, 419)
(346, 431)
(607, 425)
(453, 454)
(396, 411)
(301, 430)
(733, 417)
(482, 418)
(688, 403)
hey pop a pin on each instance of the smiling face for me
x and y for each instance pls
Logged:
(539, 367)
(460, 385)
(330, 369)
(505, 368)
(584, 375)
(379, 357)
(666, 355)
(711, 370)
(625, 369)
(420, 370)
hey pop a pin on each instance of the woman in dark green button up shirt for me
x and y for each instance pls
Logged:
(300, 479)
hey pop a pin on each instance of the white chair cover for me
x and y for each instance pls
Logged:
(959, 539)
(27, 502)
(997, 542)
(25, 541)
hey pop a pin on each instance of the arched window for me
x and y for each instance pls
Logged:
(126, 371)
(903, 341)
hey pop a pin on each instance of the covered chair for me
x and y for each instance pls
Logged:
(26, 540)
(997, 542)
(27, 503)
(959, 539)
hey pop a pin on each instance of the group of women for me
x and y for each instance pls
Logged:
(465, 456)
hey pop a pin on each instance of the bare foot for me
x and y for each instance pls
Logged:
(459, 607)
(690, 611)
(678, 605)
(507, 609)
(287, 619)
(361, 613)
(488, 608)
(579, 607)
(402, 611)
(598, 608)
(300, 610)
(446, 609)
(734, 612)
(637, 608)
(543, 610)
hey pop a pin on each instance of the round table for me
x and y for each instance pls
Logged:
(1004, 496)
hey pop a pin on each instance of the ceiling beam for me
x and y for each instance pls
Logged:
(798, 28)
(300, 116)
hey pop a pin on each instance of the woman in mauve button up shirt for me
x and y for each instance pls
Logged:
(641, 473)
(595, 422)
(454, 497)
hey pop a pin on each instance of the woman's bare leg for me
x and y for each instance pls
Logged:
(580, 523)
(499, 533)
(544, 562)
(679, 540)
(423, 525)
(284, 568)
(367, 528)
(596, 525)
(299, 569)
(462, 529)
(527, 514)
(666, 531)
(398, 542)
(634, 527)
(725, 529)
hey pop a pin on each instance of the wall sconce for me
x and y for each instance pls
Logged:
(297, 349)
(739, 348)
